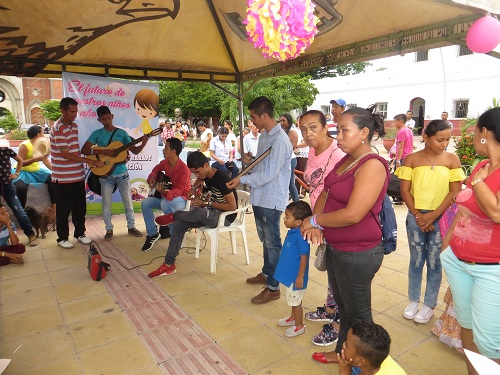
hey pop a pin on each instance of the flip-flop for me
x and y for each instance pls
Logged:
(165, 219)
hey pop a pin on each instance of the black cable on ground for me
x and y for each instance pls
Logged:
(189, 250)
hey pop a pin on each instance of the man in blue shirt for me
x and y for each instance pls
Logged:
(102, 137)
(269, 195)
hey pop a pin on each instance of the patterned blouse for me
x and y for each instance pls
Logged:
(5, 166)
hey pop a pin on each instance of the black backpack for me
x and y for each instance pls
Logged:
(388, 225)
(394, 187)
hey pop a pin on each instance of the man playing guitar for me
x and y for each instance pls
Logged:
(103, 137)
(173, 195)
(204, 213)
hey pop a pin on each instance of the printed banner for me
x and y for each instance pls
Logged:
(134, 106)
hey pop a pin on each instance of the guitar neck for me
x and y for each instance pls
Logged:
(128, 145)
(138, 140)
(254, 163)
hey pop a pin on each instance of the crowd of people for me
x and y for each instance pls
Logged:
(448, 227)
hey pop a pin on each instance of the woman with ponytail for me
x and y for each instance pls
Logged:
(345, 215)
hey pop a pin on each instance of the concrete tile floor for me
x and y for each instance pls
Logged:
(54, 319)
(58, 320)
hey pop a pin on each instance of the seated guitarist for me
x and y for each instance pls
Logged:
(173, 198)
(204, 213)
(119, 177)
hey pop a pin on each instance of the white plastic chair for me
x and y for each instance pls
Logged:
(237, 225)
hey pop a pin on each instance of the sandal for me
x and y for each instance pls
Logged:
(320, 357)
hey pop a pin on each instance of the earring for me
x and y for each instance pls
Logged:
(362, 141)
(483, 141)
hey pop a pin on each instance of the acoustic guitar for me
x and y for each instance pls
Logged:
(162, 181)
(203, 193)
(120, 155)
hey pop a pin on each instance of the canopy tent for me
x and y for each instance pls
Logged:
(205, 40)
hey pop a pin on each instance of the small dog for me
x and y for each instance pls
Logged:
(50, 218)
(41, 220)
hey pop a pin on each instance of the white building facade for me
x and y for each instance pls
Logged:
(429, 82)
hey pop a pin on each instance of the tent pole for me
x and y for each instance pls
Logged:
(240, 113)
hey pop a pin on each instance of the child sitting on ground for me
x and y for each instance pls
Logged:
(293, 266)
(367, 350)
(9, 253)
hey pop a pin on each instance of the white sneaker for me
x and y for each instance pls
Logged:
(65, 244)
(293, 331)
(84, 240)
(288, 321)
(411, 310)
(424, 315)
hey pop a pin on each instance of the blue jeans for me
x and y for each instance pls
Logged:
(350, 274)
(152, 203)
(184, 220)
(425, 248)
(222, 167)
(9, 195)
(267, 221)
(107, 185)
(294, 194)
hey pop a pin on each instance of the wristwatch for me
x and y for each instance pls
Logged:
(474, 182)
(209, 205)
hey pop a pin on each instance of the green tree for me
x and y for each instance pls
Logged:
(8, 121)
(204, 100)
(195, 99)
(287, 93)
(50, 109)
(338, 70)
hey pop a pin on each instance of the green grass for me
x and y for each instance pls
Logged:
(193, 144)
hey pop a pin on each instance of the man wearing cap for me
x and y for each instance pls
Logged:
(338, 107)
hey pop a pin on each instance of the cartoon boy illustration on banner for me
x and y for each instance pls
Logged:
(146, 104)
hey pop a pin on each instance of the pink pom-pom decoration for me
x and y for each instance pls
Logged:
(282, 29)
(484, 35)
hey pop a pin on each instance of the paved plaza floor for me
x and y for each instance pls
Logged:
(54, 319)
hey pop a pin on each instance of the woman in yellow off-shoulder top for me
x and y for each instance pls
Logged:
(429, 180)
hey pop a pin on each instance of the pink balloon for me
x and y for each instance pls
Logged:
(484, 35)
